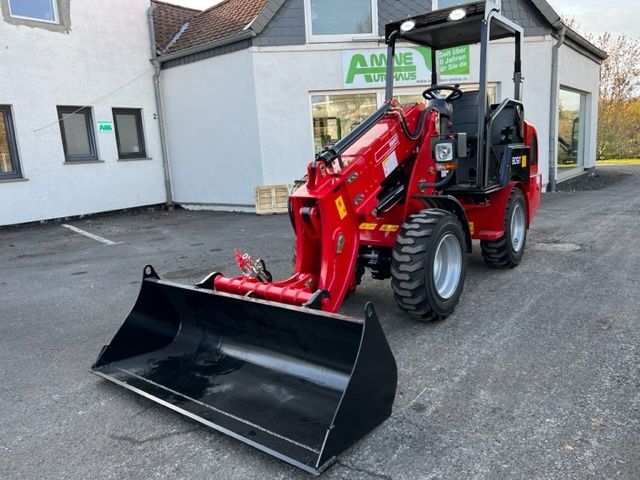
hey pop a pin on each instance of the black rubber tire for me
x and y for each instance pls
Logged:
(501, 254)
(412, 264)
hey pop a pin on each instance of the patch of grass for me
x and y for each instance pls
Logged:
(619, 161)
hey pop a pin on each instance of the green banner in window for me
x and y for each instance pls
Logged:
(367, 68)
(454, 61)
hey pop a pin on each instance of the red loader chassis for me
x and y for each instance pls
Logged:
(403, 195)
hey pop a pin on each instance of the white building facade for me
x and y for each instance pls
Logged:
(253, 107)
(79, 130)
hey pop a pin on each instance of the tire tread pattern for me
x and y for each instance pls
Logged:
(498, 254)
(407, 271)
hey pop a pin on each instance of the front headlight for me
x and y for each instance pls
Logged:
(444, 152)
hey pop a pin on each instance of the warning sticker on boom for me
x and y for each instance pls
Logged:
(390, 164)
(342, 208)
(368, 226)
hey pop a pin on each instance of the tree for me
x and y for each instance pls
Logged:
(618, 132)
(619, 115)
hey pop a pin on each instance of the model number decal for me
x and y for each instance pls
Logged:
(519, 160)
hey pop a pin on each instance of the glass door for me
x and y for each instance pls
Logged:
(570, 130)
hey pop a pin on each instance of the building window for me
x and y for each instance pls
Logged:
(441, 4)
(570, 128)
(129, 133)
(336, 20)
(9, 163)
(336, 115)
(40, 10)
(411, 98)
(78, 136)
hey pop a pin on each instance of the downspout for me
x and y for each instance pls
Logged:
(553, 116)
(160, 108)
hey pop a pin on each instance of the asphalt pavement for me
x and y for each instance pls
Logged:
(535, 376)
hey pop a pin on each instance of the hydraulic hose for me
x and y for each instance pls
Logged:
(405, 128)
(442, 183)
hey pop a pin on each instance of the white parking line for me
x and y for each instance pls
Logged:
(91, 235)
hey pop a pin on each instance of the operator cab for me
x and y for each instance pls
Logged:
(479, 138)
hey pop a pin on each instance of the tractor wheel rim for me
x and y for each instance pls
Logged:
(518, 228)
(447, 266)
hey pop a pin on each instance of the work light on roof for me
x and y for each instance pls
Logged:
(457, 14)
(407, 26)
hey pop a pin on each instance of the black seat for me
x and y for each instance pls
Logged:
(465, 113)
(506, 127)
(465, 120)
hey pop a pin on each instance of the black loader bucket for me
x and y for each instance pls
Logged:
(296, 383)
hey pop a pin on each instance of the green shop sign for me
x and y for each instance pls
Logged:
(367, 68)
(105, 126)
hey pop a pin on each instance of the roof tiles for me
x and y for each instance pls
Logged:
(225, 19)
(167, 21)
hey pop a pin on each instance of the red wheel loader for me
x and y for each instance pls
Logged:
(403, 195)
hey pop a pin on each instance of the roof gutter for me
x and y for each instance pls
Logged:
(586, 44)
(160, 109)
(244, 35)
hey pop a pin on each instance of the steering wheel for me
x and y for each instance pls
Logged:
(429, 93)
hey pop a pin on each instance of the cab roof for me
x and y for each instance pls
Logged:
(435, 30)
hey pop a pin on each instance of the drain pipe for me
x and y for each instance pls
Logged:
(160, 108)
(553, 117)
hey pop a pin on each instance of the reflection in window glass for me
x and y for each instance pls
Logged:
(76, 128)
(451, 3)
(44, 10)
(5, 155)
(129, 134)
(410, 99)
(76, 135)
(570, 107)
(9, 164)
(340, 17)
(336, 115)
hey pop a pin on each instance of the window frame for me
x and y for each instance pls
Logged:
(55, 21)
(14, 158)
(139, 125)
(376, 92)
(65, 111)
(345, 37)
(380, 98)
(585, 119)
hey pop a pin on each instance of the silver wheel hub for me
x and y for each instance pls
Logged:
(518, 228)
(447, 266)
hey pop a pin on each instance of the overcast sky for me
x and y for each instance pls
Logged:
(596, 16)
(593, 16)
